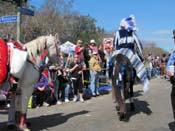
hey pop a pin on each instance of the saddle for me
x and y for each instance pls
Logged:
(17, 58)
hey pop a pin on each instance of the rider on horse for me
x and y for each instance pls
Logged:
(126, 58)
(127, 44)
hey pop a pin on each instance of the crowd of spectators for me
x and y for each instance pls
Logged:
(74, 73)
(79, 71)
(156, 65)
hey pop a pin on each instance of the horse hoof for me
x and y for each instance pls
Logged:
(132, 107)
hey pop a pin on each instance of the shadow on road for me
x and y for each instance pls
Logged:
(47, 121)
(171, 126)
(138, 93)
(140, 107)
(44, 122)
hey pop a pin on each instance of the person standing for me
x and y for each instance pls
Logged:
(76, 70)
(170, 73)
(95, 70)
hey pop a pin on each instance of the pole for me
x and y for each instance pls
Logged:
(18, 24)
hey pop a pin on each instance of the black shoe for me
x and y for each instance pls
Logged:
(28, 124)
(122, 116)
(117, 108)
(12, 126)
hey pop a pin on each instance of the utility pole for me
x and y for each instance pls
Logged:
(18, 20)
(19, 4)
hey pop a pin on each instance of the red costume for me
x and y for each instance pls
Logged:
(3, 60)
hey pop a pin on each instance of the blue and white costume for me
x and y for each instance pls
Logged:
(125, 42)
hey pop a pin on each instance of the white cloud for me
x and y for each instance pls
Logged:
(164, 43)
(162, 32)
(159, 40)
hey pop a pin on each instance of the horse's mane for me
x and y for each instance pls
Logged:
(35, 46)
(40, 45)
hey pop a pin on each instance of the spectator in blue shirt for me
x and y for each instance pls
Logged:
(42, 89)
(170, 73)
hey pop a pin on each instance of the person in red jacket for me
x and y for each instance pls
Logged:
(79, 49)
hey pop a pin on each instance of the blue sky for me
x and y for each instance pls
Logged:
(155, 19)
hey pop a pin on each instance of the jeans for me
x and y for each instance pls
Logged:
(94, 81)
(56, 87)
(148, 73)
(66, 87)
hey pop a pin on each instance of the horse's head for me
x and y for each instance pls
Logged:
(52, 46)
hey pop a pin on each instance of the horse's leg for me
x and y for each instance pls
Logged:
(17, 106)
(25, 95)
(119, 95)
(21, 108)
(114, 82)
(11, 113)
(127, 79)
(131, 93)
(25, 84)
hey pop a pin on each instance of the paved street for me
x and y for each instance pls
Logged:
(153, 113)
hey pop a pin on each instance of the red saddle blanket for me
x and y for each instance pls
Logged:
(3, 60)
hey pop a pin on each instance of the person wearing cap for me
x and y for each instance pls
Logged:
(95, 70)
(170, 72)
(94, 48)
(93, 45)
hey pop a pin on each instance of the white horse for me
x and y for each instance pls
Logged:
(43, 45)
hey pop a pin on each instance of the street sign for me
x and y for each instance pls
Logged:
(9, 18)
(25, 11)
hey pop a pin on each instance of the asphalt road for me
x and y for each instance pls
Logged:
(153, 113)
